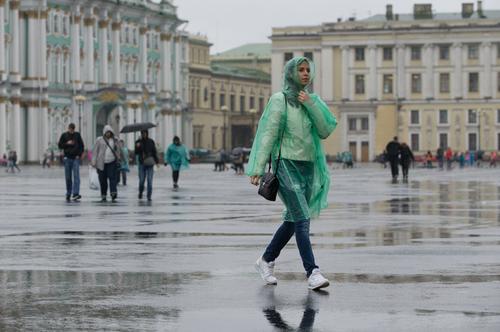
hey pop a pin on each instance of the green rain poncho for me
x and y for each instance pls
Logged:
(177, 157)
(303, 174)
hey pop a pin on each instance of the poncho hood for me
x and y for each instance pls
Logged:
(291, 83)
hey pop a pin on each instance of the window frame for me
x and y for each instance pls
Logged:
(473, 52)
(447, 53)
(443, 89)
(446, 117)
(416, 53)
(388, 78)
(413, 85)
(359, 54)
(412, 145)
(417, 112)
(388, 53)
(473, 88)
(359, 90)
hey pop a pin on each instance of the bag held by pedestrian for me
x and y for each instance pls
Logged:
(93, 179)
(149, 161)
(269, 183)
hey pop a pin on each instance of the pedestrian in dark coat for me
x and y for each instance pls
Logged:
(392, 150)
(406, 159)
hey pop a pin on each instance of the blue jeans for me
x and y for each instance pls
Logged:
(109, 173)
(72, 174)
(146, 172)
(284, 234)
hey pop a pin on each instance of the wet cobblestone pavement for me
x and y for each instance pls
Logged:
(401, 257)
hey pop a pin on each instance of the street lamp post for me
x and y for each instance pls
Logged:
(224, 110)
(134, 103)
(80, 99)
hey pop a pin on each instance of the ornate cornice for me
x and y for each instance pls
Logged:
(116, 26)
(2, 2)
(88, 21)
(143, 30)
(15, 100)
(14, 4)
(34, 14)
(76, 19)
(103, 24)
(165, 36)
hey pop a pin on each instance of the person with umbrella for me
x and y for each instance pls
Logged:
(147, 158)
(177, 157)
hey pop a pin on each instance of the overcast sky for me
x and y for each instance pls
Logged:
(230, 23)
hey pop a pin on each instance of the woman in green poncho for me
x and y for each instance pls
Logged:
(294, 121)
(177, 157)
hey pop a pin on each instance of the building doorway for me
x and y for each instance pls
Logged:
(354, 150)
(365, 152)
(108, 114)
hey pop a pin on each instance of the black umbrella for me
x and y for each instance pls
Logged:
(137, 127)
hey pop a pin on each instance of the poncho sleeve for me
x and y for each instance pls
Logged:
(323, 120)
(267, 135)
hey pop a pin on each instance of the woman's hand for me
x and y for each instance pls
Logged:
(255, 180)
(303, 97)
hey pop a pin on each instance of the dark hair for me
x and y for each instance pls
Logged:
(176, 138)
(395, 138)
(71, 125)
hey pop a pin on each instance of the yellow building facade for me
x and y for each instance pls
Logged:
(226, 100)
(432, 79)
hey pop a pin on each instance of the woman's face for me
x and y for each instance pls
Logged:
(304, 73)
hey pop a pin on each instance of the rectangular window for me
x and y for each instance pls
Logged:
(444, 82)
(416, 83)
(472, 117)
(498, 51)
(352, 124)
(212, 101)
(416, 53)
(444, 52)
(252, 102)
(414, 117)
(232, 103)
(473, 82)
(359, 53)
(222, 99)
(387, 83)
(498, 116)
(443, 140)
(364, 124)
(443, 116)
(242, 104)
(498, 141)
(415, 142)
(498, 81)
(359, 87)
(387, 53)
(261, 104)
(473, 52)
(309, 55)
(288, 56)
(472, 141)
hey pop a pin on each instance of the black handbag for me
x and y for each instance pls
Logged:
(269, 183)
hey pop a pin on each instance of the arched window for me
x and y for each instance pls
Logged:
(56, 23)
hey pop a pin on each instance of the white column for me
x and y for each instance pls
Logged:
(485, 81)
(327, 75)
(2, 43)
(16, 124)
(33, 128)
(178, 125)
(345, 72)
(372, 68)
(143, 55)
(3, 127)
(103, 48)
(457, 73)
(177, 50)
(276, 70)
(318, 73)
(75, 50)
(14, 48)
(165, 58)
(88, 34)
(401, 75)
(428, 79)
(116, 26)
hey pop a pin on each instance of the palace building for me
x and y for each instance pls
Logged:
(91, 62)
(432, 79)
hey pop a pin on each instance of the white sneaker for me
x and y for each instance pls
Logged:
(266, 271)
(317, 281)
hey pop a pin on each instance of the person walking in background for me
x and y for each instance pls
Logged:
(471, 158)
(176, 156)
(461, 159)
(147, 158)
(124, 169)
(448, 155)
(440, 157)
(406, 159)
(72, 144)
(428, 159)
(392, 150)
(292, 125)
(106, 157)
(493, 159)
(12, 162)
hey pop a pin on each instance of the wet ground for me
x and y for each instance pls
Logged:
(401, 257)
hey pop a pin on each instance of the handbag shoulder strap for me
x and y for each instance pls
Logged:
(281, 139)
(109, 146)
